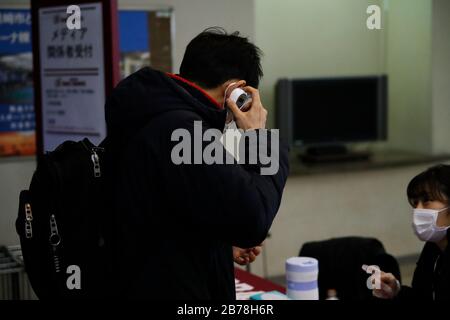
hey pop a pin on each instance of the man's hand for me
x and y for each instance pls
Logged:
(245, 256)
(254, 117)
(389, 286)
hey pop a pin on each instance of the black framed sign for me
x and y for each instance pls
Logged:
(76, 63)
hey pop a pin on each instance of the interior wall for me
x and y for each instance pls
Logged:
(441, 76)
(409, 69)
(193, 16)
(310, 38)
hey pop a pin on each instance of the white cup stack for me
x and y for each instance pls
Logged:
(301, 278)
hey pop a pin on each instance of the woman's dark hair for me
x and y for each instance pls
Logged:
(214, 57)
(430, 185)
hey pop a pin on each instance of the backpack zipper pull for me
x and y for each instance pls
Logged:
(96, 161)
(54, 240)
(28, 219)
(94, 158)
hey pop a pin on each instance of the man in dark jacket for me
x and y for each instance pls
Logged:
(176, 224)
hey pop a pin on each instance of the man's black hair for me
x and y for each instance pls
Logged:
(431, 185)
(214, 57)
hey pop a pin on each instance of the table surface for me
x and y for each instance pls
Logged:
(248, 284)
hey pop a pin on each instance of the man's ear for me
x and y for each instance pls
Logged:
(230, 85)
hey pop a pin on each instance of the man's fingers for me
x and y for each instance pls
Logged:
(247, 106)
(240, 256)
(251, 90)
(234, 108)
(238, 252)
(242, 260)
(256, 250)
(246, 256)
(254, 92)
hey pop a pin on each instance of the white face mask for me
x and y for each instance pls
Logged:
(424, 225)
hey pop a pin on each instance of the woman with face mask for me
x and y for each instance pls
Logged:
(429, 195)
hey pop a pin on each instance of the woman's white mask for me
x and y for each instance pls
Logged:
(424, 225)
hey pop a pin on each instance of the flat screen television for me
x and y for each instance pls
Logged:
(332, 111)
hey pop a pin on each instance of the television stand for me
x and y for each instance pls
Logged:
(332, 154)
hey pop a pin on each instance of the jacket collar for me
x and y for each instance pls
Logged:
(186, 83)
(201, 101)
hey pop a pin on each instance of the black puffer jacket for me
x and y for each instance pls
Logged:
(176, 224)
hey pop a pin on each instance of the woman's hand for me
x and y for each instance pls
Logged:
(389, 286)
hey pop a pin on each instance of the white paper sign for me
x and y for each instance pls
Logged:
(72, 76)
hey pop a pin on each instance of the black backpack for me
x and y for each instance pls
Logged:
(62, 224)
